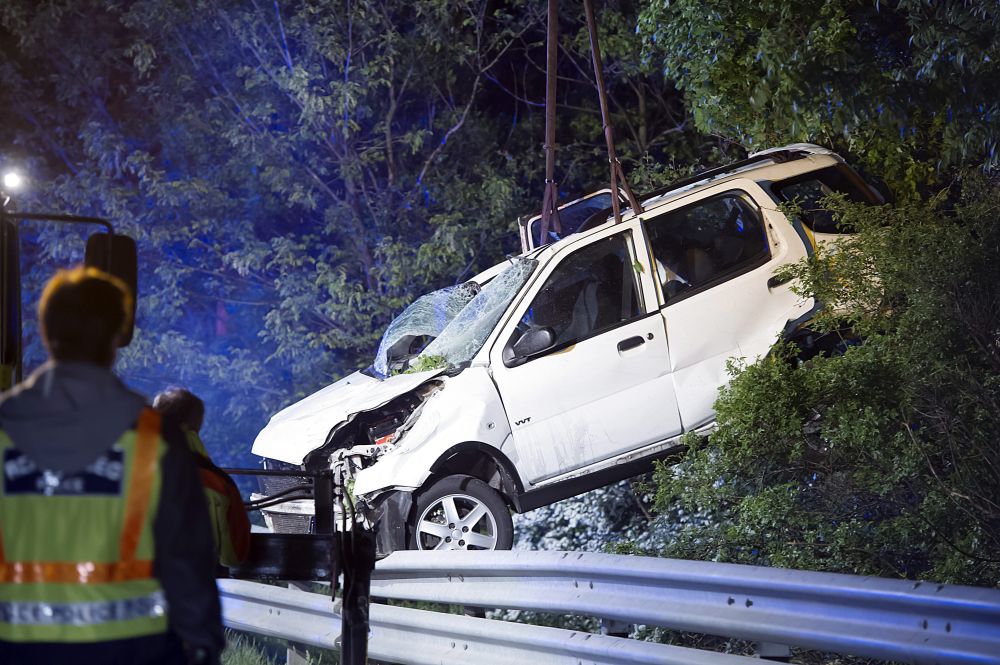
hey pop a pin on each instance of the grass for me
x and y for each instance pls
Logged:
(246, 649)
(243, 649)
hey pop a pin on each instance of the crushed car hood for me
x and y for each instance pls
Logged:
(297, 430)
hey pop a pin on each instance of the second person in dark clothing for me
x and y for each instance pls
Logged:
(230, 524)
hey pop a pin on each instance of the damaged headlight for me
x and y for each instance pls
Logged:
(383, 432)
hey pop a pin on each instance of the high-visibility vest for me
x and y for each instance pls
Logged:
(230, 524)
(76, 550)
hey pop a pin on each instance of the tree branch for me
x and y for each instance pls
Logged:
(454, 128)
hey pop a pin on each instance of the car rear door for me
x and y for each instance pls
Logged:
(715, 259)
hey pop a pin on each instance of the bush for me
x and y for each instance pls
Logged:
(883, 459)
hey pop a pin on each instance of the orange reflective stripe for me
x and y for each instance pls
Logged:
(141, 484)
(213, 481)
(81, 572)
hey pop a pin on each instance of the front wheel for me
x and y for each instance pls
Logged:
(461, 513)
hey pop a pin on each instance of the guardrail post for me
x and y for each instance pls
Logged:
(357, 566)
(614, 628)
(295, 653)
(781, 653)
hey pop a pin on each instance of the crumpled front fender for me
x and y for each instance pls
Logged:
(467, 408)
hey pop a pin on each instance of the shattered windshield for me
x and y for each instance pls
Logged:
(448, 327)
(421, 321)
(467, 332)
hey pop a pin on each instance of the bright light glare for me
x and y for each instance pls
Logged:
(12, 181)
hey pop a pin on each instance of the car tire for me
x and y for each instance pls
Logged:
(460, 513)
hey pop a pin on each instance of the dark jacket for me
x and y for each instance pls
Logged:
(230, 523)
(64, 416)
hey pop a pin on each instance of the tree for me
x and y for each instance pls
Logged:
(296, 172)
(292, 173)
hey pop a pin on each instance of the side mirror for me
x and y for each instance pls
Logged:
(404, 348)
(116, 255)
(400, 350)
(534, 342)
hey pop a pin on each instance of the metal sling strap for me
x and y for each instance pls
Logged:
(550, 199)
(618, 181)
(136, 507)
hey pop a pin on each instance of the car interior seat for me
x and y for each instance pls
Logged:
(728, 250)
(671, 265)
(729, 246)
(698, 266)
(584, 314)
(695, 267)
(670, 281)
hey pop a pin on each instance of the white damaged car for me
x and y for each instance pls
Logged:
(571, 366)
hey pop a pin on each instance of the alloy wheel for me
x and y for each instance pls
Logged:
(457, 522)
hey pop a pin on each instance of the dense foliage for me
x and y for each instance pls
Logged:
(881, 459)
(904, 87)
(296, 172)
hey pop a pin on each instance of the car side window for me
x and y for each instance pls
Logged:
(706, 243)
(590, 291)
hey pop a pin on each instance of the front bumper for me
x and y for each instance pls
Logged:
(390, 517)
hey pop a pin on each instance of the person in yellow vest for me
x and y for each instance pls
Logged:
(106, 552)
(230, 524)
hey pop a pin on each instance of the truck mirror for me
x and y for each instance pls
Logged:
(10, 305)
(116, 255)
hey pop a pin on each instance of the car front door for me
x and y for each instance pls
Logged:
(602, 387)
(715, 260)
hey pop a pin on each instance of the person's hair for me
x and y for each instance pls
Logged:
(181, 406)
(81, 314)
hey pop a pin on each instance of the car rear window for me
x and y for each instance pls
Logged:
(571, 218)
(809, 190)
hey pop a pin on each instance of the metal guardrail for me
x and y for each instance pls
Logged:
(421, 637)
(896, 620)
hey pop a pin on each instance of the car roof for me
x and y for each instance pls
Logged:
(491, 272)
(771, 164)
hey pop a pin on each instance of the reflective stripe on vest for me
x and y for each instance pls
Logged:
(39, 613)
(116, 599)
(84, 572)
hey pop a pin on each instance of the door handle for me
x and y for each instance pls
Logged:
(777, 281)
(630, 343)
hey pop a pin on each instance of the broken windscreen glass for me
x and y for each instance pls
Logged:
(420, 322)
(462, 338)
